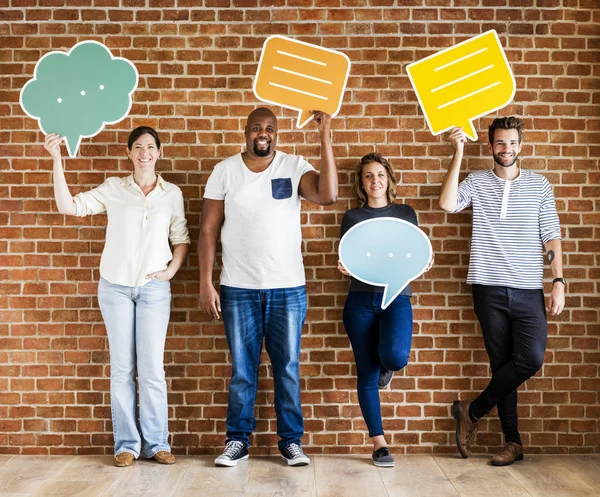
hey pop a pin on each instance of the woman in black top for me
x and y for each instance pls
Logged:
(380, 339)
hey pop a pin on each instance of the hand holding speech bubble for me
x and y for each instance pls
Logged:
(75, 94)
(463, 82)
(386, 252)
(301, 76)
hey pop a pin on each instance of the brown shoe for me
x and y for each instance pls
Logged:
(509, 454)
(124, 459)
(164, 457)
(465, 428)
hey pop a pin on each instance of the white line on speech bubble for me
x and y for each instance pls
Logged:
(299, 57)
(298, 91)
(465, 57)
(302, 75)
(462, 78)
(459, 99)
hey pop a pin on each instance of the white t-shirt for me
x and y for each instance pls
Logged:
(261, 235)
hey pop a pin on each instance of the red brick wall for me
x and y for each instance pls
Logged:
(196, 66)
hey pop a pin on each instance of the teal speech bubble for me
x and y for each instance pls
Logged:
(75, 94)
(386, 252)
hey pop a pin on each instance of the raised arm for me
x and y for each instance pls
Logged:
(213, 215)
(322, 188)
(62, 195)
(449, 191)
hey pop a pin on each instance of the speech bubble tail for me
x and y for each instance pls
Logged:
(72, 143)
(389, 294)
(304, 117)
(470, 130)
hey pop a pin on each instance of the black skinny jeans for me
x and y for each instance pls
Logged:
(515, 329)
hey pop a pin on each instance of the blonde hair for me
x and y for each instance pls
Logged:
(358, 188)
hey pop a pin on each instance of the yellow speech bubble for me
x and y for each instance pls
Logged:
(462, 83)
(301, 76)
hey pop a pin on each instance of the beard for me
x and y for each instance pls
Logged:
(498, 160)
(261, 153)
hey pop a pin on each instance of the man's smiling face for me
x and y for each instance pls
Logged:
(506, 147)
(261, 133)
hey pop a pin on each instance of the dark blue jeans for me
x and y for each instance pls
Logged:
(378, 337)
(277, 316)
(514, 326)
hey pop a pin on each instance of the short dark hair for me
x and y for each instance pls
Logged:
(511, 122)
(141, 131)
(358, 189)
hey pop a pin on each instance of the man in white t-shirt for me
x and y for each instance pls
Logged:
(253, 200)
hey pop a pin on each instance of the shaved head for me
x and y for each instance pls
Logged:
(260, 113)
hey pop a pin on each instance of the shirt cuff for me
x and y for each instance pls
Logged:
(80, 207)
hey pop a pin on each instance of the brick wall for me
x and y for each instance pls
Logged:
(196, 62)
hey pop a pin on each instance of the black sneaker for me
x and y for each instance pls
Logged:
(294, 455)
(234, 452)
(382, 458)
(385, 376)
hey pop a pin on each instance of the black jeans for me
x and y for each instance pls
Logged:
(514, 326)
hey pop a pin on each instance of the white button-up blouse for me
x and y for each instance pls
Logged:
(139, 227)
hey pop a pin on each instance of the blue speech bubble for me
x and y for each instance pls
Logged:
(385, 252)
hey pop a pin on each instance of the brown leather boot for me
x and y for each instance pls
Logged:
(164, 457)
(509, 454)
(465, 428)
(124, 459)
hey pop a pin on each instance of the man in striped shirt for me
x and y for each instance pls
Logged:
(514, 223)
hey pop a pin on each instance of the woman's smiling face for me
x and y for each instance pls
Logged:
(144, 153)
(374, 180)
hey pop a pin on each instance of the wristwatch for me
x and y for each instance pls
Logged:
(561, 280)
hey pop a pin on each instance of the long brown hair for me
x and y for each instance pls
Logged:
(358, 188)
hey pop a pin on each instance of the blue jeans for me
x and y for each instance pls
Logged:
(277, 316)
(515, 329)
(136, 320)
(378, 337)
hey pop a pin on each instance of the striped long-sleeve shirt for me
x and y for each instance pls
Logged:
(512, 219)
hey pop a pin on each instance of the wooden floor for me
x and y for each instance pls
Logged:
(413, 476)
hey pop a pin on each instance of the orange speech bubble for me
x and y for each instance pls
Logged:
(301, 76)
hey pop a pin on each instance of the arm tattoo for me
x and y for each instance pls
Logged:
(550, 256)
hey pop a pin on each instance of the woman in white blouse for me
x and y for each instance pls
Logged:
(145, 218)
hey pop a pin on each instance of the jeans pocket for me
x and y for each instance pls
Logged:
(281, 188)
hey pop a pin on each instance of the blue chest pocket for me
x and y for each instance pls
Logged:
(281, 188)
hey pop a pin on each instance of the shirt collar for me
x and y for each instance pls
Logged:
(128, 181)
(505, 180)
(165, 185)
